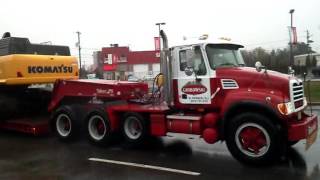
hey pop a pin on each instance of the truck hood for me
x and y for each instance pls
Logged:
(248, 78)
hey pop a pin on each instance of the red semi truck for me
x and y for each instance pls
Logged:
(203, 89)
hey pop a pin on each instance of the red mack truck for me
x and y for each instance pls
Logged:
(203, 89)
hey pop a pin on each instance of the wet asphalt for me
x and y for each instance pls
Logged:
(46, 158)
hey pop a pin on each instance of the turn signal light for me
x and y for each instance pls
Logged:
(282, 108)
(286, 108)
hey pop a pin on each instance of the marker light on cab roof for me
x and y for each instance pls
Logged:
(225, 39)
(204, 37)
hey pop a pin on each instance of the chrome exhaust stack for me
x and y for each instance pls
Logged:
(165, 69)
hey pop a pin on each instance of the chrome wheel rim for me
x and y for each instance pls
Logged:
(133, 128)
(63, 125)
(252, 140)
(97, 127)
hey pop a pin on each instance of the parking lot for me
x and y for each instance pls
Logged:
(187, 157)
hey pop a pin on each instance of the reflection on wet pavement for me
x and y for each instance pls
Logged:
(45, 158)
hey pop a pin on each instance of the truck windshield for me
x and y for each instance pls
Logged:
(224, 55)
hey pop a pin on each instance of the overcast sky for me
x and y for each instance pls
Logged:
(132, 22)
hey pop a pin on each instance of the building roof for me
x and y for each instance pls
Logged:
(304, 55)
(116, 50)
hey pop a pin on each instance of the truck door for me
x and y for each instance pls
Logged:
(193, 77)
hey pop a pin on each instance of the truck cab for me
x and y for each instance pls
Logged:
(194, 72)
(258, 112)
(214, 76)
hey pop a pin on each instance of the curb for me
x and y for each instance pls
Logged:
(314, 103)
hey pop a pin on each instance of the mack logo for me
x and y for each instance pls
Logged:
(50, 69)
(194, 89)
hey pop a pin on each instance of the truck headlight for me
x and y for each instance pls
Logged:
(286, 108)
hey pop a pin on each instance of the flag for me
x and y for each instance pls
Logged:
(293, 35)
(157, 43)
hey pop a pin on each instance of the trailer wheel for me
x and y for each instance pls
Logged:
(98, 128)
(253, 139)
(134, 128)
(65, 123)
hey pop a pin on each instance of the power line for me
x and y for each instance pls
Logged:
(86, 48)
(268, 42)
(82, 54)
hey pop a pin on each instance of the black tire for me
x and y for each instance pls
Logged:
(9, 106)
(134, 128)
(292, 143)
(98, 127)
(64, 123)
(263, 149)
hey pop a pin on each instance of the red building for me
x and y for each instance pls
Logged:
(119, 62)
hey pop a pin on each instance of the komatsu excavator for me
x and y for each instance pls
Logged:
(26, 72)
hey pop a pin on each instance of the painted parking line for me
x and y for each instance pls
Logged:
(145, 166)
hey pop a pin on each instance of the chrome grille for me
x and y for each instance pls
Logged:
(297, 90)
(297, 93)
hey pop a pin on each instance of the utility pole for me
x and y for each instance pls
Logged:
(291, 23)
(308, 47)
(309, 41)
(79, 48)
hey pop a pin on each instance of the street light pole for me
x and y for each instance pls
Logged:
(291, 53)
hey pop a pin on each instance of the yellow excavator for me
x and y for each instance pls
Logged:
(23, 63)
(27, 72)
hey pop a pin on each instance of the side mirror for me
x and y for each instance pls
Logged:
(189, 71)
(291, 71)
(259, 66)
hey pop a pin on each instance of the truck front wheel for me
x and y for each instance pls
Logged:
(253, 139)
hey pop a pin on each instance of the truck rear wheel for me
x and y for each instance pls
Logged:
(65, 123)
(253, 139)
(134, 128)
(98, 128)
